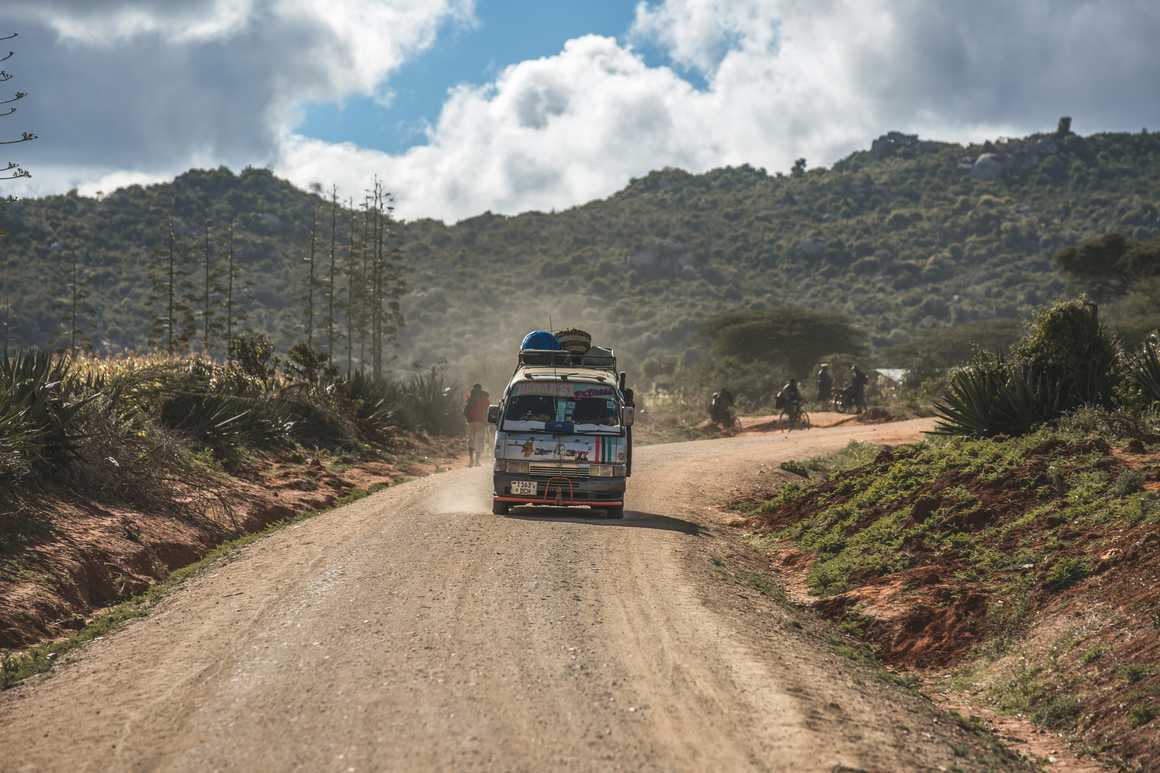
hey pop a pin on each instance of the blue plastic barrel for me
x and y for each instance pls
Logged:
(541, 340)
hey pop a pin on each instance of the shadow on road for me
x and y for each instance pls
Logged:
(633, 519)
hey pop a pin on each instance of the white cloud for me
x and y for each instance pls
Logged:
(102, 23)
(779, 79)
(785, 79)
(700, 33)
(150, 87)
(548, 133)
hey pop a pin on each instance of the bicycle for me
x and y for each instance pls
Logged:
(843, 400)
(793, 417)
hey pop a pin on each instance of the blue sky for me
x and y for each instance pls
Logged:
(508, 32)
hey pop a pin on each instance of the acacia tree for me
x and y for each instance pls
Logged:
(791, 336)
(1109, 265)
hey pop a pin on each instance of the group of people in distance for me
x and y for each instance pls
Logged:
(791, 400)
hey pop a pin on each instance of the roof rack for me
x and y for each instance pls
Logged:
(599, 357)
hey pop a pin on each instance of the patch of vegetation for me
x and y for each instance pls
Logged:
(1142, 713)
(959, 502)
(1127, 483)
(1135, 672)
(796, 468)
(1093, 654)
(1066, 572)
(132, 426)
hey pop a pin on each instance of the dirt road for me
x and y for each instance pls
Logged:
(412, 630)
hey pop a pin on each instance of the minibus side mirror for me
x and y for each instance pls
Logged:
(493, 414)
(629, 415)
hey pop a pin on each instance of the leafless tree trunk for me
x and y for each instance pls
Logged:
(230, 290)
(205, 307)
(350, 294)
(310, 279)
(330, 280)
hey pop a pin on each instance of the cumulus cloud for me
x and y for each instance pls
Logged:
(783, 79)
(749, 81)
(548, 133)
(700, 33)
(151, 87)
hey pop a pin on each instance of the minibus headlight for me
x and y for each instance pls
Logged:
(606, 470)
(515, 468)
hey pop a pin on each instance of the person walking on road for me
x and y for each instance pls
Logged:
(825, 385)
(476, 414)
(858, 385)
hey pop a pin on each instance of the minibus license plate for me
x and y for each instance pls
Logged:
(525, 487)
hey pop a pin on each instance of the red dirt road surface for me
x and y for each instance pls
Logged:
(413, 630)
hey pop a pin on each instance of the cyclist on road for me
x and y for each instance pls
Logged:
(721, 408)
(790, 398)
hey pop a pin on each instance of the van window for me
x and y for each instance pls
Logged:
(562, 407)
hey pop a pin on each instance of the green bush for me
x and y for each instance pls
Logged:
(1066, 361)
(1066, 345)
(1128, 482)
(1066, 572)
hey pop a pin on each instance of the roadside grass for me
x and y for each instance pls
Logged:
(873, 513)
(19, 666)
(1057, 519)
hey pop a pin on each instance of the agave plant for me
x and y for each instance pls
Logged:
(986, 401)
(431, 403)
(42, 407)
(372, 403)
(1144, 370)
(227, 421)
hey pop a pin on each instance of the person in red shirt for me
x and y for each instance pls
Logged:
(476, 414)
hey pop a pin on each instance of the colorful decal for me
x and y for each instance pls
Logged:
(594, 449)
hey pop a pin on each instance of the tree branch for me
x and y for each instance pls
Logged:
(15, 98)
(25, 137)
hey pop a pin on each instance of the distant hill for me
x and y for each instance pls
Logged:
(904, 237)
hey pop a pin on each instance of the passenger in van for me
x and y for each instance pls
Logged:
(532, 408)
(593, 410)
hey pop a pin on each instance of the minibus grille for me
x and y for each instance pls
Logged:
(558, 470)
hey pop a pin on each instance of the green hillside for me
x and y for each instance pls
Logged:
(905, 237)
